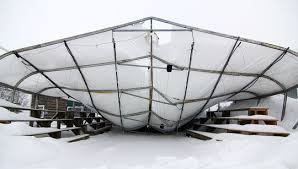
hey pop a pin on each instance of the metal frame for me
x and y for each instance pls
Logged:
(42, 73)
(151, 73)
(187, 80)
(226, 35)
(152, 30)
(124, 61)
(81, 67)
(125, 91)
(163, 96)
(236, 45)
(95, 90)
(295, 126)
(193, 100)
(284, 106)
(116, 73)
(150, 100)
(263, 72)
(82, 75)
(141, 88)
(176, 67)
(250, 84)
(143, 20)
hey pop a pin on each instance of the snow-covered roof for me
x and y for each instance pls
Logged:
(166, 73)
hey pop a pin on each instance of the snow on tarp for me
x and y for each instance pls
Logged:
(166, 73)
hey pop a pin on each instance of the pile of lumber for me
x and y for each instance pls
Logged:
(77, 125)
(256, 122)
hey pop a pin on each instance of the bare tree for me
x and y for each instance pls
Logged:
(19, 98)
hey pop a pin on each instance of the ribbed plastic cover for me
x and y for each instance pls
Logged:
(207, 68)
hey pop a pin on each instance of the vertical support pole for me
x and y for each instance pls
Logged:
(258, 101)
(34, 113)
(235, 46)
(57, 114)
(82, 75)
(73, 108)
(34, 96)
(116, 71)
(151, 75)
(218, 106)
(36, 101)
(57, 105)
(284, 106)
(186, 85)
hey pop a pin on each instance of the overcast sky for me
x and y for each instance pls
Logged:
(29, 22)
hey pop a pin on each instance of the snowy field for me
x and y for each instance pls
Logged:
(118, 150)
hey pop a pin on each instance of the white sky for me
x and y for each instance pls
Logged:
(29, 22)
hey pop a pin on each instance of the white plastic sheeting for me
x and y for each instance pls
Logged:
(49, 69)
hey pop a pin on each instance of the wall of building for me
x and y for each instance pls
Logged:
(293, 93)
(49, 103)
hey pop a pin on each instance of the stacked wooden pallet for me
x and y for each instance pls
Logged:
(256, 122)
(77, 125)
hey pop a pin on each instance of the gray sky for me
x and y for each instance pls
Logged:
(30, 22)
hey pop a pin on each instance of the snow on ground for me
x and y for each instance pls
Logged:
(118, 150)
(8, 115)
(19, 129)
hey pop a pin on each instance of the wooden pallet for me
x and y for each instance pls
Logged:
(75, 138)
(100, 130)
(201, 135)
(250, 110)
(55, 133)
(255, 130)
(68, 119)
(254, 119)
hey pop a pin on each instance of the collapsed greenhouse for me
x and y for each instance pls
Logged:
(151, 72)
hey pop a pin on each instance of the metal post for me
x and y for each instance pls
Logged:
(284, 106)
(186, 85)
(57, 105)
(57, 114)
(236, 45)
(33, 113)
(151, 74)
(116, 71)
(82, 75)
(36, 101)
